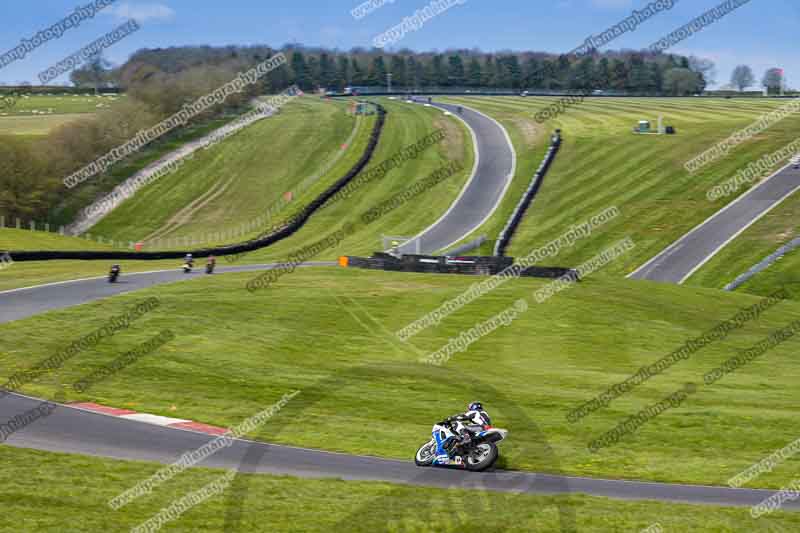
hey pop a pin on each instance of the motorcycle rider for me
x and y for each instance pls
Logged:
(189, 260)
(113, 274)
(211, 263)
(461, 424)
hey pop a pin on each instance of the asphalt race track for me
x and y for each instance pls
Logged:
(686, 255)
(16, 304)
(481, 195)
(72, 430)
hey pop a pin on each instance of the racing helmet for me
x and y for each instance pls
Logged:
(481, 416)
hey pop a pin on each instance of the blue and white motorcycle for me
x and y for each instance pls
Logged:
(476, 450)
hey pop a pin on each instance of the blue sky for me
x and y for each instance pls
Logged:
(759, 34)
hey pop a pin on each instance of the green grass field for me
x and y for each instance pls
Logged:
(328, 333)
(241, 176)
(270, 503)
(602, 164)
(21, 239)
(39, 114)
(59, 104)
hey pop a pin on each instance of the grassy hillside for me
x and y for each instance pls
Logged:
(244, 174)
(401, 507)
(84, 195)
(405, 125)
(329, 334)
(291, 160)
(602, 164)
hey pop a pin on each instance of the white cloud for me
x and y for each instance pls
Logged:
(141, 12)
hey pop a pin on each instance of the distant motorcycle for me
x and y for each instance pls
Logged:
(187, 267)
(210, 266)
(478, 453)
(113, 274)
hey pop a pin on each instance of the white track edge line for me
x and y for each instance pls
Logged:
(732, 237)
(706, 221)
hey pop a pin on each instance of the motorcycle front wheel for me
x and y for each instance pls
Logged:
(482, 457)
(426, 454)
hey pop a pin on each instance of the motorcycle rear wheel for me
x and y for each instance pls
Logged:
(482, 457)
(426, 454)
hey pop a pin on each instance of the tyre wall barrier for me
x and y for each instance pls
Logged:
(516, 217)
(431, 264)
(295, 223)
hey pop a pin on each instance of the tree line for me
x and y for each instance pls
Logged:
(642, 72)
(158, 82)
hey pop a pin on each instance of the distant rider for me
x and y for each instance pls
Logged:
(189, 260)
(113, 274)
(462, 424)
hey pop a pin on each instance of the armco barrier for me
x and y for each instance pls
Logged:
(295, 224)
(763, 264)
(430, 264)
(527, 198)
(467, 247)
